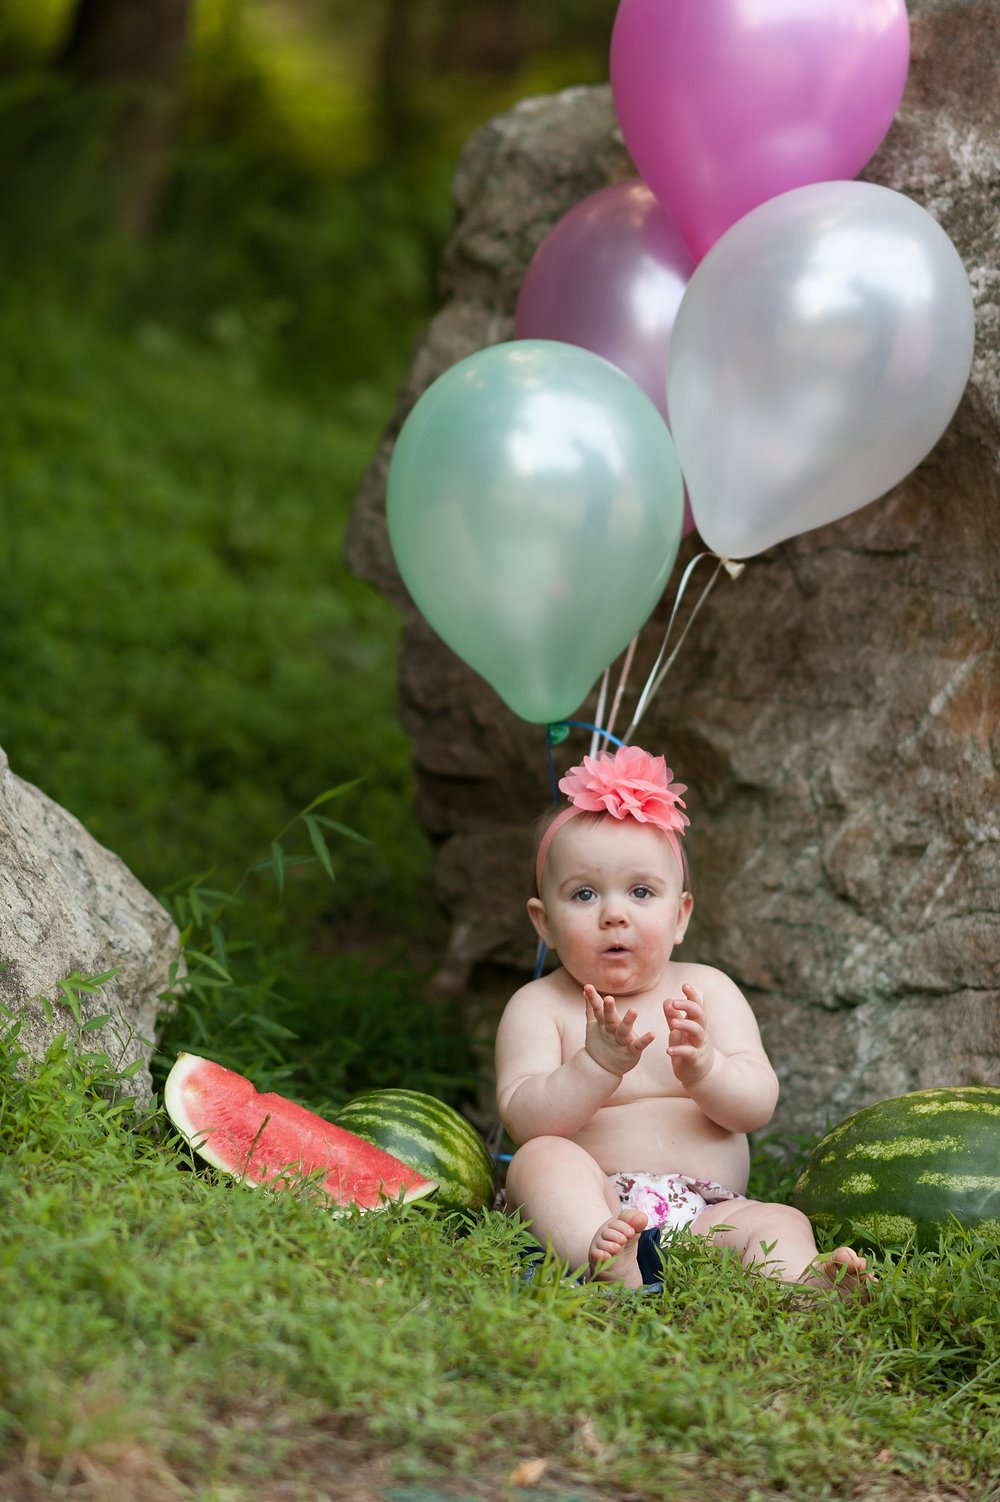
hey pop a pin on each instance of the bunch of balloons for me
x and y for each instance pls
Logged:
(745, 323)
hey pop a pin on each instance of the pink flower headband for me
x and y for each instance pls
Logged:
(631, 784)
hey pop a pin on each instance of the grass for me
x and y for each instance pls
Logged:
(169, 1333)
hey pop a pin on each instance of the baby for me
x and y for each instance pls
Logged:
(618, 1132)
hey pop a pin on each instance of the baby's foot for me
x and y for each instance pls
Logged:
(844, 1272)
(618, 1238)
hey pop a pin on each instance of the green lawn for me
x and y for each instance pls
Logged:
(170, 1334)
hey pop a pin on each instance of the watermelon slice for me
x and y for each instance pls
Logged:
(266, 1139)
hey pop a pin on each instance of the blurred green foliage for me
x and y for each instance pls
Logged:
(185, 416)
(305, 193)
(185, 654)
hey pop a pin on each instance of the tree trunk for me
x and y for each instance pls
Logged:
(135, 53)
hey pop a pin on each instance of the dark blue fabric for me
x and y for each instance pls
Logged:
(650, 1257)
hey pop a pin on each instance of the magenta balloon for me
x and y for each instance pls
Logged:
(609, 277)
(724, 104)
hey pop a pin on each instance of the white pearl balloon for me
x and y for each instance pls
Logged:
(819, 353)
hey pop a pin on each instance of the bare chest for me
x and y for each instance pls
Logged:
(653, 1075)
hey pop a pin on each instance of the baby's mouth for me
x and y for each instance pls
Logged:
(616, 949)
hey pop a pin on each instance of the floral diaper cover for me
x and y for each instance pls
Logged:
(669, 1200)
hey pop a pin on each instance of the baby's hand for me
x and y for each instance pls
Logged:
(689, 1047)
(611, 1039)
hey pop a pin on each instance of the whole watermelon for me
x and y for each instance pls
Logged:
(905, 1169)
(422, 1131)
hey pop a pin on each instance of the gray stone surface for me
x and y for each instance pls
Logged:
(835, 710)
(68, 906)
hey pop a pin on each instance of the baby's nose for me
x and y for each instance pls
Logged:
(614, 913)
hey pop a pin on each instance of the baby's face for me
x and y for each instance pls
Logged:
(612, 904)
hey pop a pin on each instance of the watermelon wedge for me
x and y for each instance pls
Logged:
(266, 1139)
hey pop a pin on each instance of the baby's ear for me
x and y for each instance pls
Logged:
(539, 921)
(684, 909)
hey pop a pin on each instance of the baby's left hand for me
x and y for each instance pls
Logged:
(689, 1047)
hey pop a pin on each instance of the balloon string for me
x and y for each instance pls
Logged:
(647, 688)
(543, 950)
(586, 725)
(690, 622)
(553, 782)
(657, 674)
(602, 699)
(622, 680)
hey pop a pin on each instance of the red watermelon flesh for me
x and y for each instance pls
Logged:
(266, 1139)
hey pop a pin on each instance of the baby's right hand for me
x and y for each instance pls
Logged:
(611, 1040)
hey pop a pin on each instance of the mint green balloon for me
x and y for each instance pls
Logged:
(535, 506)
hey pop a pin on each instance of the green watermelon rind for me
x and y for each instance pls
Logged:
(234, 1128)
(907, 1169)
(431, 1137)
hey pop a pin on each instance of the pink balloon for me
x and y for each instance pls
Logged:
(724, 104)
(609, 277)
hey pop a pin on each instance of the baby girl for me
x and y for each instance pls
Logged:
(619, 1130)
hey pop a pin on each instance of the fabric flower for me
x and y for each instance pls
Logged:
(629, 784)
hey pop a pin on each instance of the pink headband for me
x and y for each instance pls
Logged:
(631, 784)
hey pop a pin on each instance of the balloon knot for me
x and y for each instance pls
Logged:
(558, 732)
(732, 568)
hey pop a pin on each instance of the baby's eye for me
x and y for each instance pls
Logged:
(584, 894)
(642, 892)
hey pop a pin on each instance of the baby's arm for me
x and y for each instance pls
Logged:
(715, 1049)
(540, 1095)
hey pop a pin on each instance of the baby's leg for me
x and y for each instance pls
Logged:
(566, 1195)
(779, 1239)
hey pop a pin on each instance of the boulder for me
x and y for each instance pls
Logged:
(834, 709)
(69, 908)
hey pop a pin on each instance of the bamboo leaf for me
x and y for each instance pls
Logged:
(199, 957)
(319, 844)
(278, 861)
(337, 792)
(219, 949)
(344, 829)
(89, 983)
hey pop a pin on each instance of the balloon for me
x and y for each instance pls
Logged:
(819, 353)
(609, 276)
(726, 103)
(534, 510)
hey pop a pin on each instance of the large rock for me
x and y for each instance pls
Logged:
(834, 709)
(69, 907)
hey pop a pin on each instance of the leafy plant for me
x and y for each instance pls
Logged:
(234, 998)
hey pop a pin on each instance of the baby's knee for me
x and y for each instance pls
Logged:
(541, 1161)
(538, 1153)
(785, 1220)
(795, 1219)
